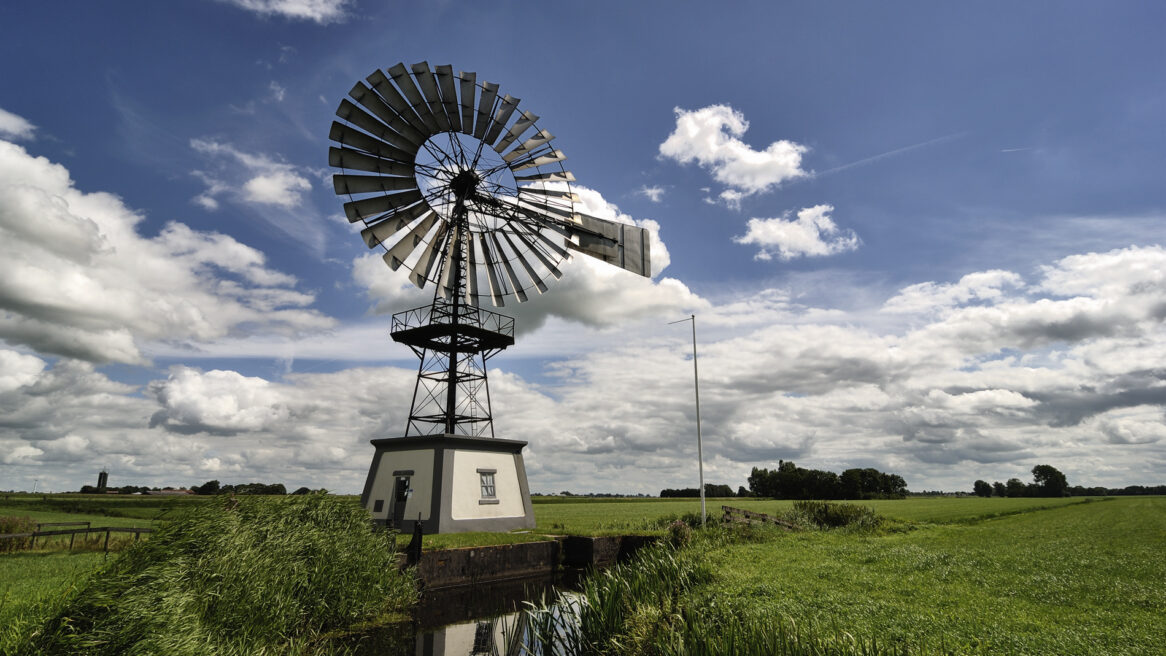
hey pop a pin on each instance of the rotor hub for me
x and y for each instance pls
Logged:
(464, 183)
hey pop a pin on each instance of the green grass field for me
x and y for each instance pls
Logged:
(32, 583)
(1025, 576)
(1083, 578)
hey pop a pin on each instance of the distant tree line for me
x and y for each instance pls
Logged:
(214, 487)
(1048, 481)
(125, 489)
(710, 490)
(789, 481)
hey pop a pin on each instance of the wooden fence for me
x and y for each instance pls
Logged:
(74, 532)
(741, 515)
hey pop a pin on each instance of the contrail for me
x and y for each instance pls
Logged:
(892, 153)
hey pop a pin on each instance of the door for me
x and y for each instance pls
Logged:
(400, 495)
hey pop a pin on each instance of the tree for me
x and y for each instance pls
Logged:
(1049, 482)
(209, 487)
(1016, 488)
(742, 492)
(999, 489)
(303, 490)
(982, 489)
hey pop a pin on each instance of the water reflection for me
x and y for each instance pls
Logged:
(473, 620)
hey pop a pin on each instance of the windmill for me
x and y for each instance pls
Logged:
(464, 191)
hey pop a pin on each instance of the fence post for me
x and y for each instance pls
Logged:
(71, 536)
(107, 542)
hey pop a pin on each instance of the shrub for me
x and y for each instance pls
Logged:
(679, 533)
(235, 576)
(16, 525)
(824, 514)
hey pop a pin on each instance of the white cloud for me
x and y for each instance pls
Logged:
(984, 286)
(263, 185)
(14, 127)
(711, 136)
(76, 278)
(278, 92)
(989, 387)
(653, 193)
(318, 11)
(812, 234)
(18, 370)
(267, 180)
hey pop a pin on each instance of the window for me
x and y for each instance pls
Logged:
(487, 484)
(378, 505)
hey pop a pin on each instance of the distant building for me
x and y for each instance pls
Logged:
(102, 481)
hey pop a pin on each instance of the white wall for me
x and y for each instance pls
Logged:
(467, 486)
(421, 462)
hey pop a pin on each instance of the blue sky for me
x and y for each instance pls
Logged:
(925, 238)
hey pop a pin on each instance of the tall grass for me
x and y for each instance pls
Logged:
(251, 575)
(645, 607)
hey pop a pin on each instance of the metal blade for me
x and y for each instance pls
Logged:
(533, 248)
(547, 208)
(424, 264)
(346, 158)
(509, 104)
(549, 176)
(378, 233)
(360, 210)
(485, 109)
(403, 134)
(365, 121)
(530, 272)
(349, 136)
(469, 88)
(539, 140)
(568, 196)
(449, 102)
(394, 99)
(367, 184)
(515, 285)
(472, 276)
(428, 85)
(625, 246)
(531, 162)
(406, 214)
(445, 290)
(396, 255)
(405, 83)
(496, 291)
(521, 125)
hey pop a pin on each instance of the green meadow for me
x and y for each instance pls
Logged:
(938, 575)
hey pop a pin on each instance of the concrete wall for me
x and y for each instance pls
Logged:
(467, 501)
(421, 462)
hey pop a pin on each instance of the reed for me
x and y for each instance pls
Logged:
(255, 575)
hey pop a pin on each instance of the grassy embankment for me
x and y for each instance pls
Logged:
(246, 576)
(1073, 579)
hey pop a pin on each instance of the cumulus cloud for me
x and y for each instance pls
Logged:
(77, 280)
(653, 193)
(261, 185)
(317, 11)
(812, 234)
(987, 388)
(984, 286)
(15, 128)
(711, 136)
(267, 181)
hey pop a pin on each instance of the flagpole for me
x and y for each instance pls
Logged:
(699, 446)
